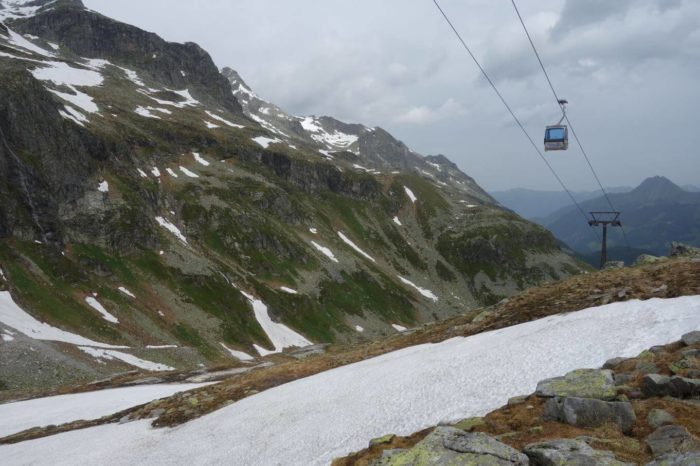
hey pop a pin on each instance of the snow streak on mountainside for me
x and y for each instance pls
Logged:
(400, 392)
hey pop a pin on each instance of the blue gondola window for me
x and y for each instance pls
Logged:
(556, 134)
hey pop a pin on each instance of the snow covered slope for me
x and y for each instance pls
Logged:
(312, 420)
(22, 415)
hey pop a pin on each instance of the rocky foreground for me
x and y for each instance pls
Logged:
(642, 410)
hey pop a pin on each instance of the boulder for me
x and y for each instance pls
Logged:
(612, 363)
(655, 385)
(677, 459)
(691, 338)
(658, 417)
(683, 250)
(646, 367)
(569, 452)
(455, 447)
(672, 439)
(645, 259)
(623, 378)
(581, 383)
(676, 386)
(590, 412)
(683, 387)
(614, 265)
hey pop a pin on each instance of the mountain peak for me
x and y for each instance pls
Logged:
(657, 188)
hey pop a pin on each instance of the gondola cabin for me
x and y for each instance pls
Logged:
(556, 137)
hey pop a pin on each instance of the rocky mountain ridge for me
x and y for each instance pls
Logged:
(155, 213)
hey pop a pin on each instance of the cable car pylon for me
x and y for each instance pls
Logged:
(605, 219)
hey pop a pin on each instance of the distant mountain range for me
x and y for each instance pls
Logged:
(536, 205)
(653, 214)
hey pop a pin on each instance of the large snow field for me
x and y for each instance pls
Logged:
(21, 415)
(312, 420)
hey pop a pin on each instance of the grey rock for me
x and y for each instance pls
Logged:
(683, 387)
(677, 459)
(569, 452)
(672, 439)
(517, 400)
(655, 385)
(658, 417)
(308, 351)
(683, 250)
(676, 386)
(448, 446)
(691, 338)
(623, 378)
(611, 363)
(646, 367)
(645, 259)
(581, 383)
(589, 412)
(691, 353)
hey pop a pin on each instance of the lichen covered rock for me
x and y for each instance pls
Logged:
(581, 383)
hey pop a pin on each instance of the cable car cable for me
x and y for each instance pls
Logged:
(505, 103)
(566, 117)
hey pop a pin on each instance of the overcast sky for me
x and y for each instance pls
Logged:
(629, 69)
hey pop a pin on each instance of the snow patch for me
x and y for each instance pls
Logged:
(72, 114)
(325, 251)
(103, 187)
(13, 316)
(146, 112)
(79, 99)
(188, 173)
(156, 172)
(171, 172)
(288, 290)
(130, 359)
(359, 328)
(222, 120)
(265, 141)
(410, 194)
(56, 410)
(142, 173)
(171, 228)
(399, 328)
(313, 231)
(62, 74)
(397, 221)
(427, 293)
(280, 335)
(347, 241)
(126, 292)
(211, 125)
(199, 159)
(336, 139)
(95, 304)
